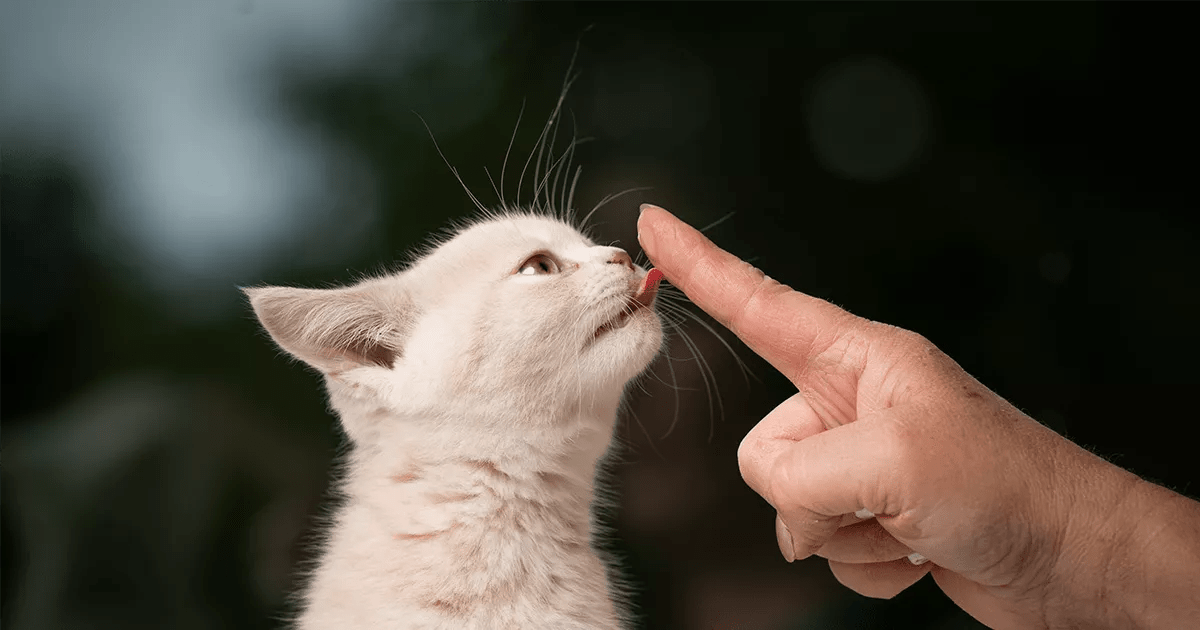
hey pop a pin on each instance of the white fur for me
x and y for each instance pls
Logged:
(473, 467)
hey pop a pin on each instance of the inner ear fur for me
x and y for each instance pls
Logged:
(337, 329)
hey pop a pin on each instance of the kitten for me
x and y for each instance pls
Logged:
(479, 389)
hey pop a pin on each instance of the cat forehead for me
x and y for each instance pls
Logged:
(511, 234)
(497, 244)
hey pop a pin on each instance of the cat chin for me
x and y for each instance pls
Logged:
(628, 350)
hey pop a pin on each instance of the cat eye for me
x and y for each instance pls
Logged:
(538, 264)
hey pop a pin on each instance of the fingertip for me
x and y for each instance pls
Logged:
(648, 226)
(784, 537)
(649, 215)
(643, 229)
(807, 531)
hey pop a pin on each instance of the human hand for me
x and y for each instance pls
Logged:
(1020, 525)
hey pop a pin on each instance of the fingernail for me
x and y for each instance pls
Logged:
(642, 208)
(917, 559)
(865, 513)
(785, 540)
(646, 239)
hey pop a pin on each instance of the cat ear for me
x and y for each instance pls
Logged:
(335, 330)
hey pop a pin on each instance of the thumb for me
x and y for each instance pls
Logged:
(777, 323)
(793, 420)
(814, 480)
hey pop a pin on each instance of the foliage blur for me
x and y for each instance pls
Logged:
(1014, 181)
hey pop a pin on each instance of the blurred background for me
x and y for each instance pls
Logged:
(1014, 181)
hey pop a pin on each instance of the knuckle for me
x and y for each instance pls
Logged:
(781, 486)
(922, 348)
(910, 341)
(810, 538)
(899, 443)
(763, 285)
(895, 439)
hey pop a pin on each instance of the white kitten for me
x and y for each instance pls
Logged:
(479, 388)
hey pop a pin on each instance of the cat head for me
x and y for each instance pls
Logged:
(517, 319)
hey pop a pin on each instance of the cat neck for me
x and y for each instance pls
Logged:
(481, 526)
(525, 447)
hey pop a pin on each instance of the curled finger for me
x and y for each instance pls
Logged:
(806, 540)
(815, 482)
(881, 580)
(862, 543)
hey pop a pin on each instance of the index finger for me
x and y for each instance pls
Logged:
(779, 324)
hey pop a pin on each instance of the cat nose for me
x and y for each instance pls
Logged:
(619, 257)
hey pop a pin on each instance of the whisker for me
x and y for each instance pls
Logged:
(540, 144)
(694, 349)
(674, 391)
(667, 298)
(552, 123)
(717, 222)
(504, 165)
(571, 195)
(448, 165)
(568, 192)
(499, 195)
(567, 153)
(746, 371)
(711, 390)
(538, 165)
(641, 425)
(541, 187)
(610, 198)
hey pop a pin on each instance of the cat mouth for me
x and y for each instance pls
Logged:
(640, 300)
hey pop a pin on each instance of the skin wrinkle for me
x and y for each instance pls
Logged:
(890, 381)
(746, 311)
(781, 498)
(963, 475)
(831, 390)
(1118, 540)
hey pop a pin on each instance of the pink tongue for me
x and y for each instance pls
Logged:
(653, 277)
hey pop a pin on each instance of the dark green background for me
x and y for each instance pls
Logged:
(1044, 236)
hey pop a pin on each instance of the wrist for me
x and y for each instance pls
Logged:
(1163, 559)
(1130, 552)
(1095, 556)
